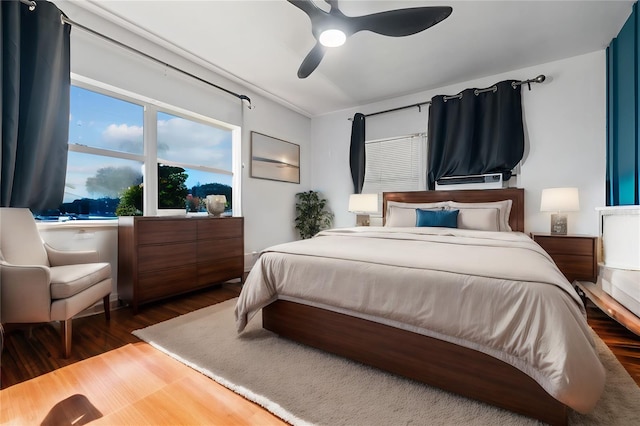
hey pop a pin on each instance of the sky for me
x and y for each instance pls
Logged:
(104, 122)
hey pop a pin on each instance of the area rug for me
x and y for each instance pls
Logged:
(302, 385)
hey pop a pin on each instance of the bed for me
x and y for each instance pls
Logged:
(398, 298)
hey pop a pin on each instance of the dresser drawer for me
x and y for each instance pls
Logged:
(165, 231)
(158, 284)
(228, 227)
(219, 249)
(157, 257)
(219, 271)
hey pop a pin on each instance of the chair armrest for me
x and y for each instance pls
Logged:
(25, 294)
(61, 257)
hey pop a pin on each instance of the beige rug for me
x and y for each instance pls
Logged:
(306, 386)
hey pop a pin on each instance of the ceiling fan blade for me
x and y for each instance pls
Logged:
(311, 61)
(308, 7)
(401, 22)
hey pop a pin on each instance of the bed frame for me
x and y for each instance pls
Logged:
(432, 361)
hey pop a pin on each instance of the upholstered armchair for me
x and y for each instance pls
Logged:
(41, 284)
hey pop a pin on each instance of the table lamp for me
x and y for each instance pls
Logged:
(362, 205)
(559, 200)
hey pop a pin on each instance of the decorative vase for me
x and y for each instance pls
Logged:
(216, 205)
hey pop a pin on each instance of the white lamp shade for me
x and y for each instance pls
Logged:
(559, 200)
(363, 203)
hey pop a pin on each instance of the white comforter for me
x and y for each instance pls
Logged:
(495, 292)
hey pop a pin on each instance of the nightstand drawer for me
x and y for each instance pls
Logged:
(566, 245)
(575, 255)
(574, 267)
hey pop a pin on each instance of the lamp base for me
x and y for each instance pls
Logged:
(362, 220)
(558, 224)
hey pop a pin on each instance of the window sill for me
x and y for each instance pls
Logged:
(77, 224)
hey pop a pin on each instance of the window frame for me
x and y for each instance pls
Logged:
(149, 158)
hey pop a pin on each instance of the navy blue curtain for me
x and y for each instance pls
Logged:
(623, 114)
(475, 133)
(357, 158)
(35, 81)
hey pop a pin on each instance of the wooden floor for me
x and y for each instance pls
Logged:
(132, 383)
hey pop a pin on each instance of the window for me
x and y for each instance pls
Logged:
(203, 153)
(395, 164)
(110, 149)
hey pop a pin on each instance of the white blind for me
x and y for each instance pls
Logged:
(395, 164)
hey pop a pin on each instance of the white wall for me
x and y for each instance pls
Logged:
(267, 206)
(565, 138)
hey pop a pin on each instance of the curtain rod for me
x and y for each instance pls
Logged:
(538, 79)
(30, 3)
(65, 20)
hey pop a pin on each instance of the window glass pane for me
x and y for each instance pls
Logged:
(105, 122)
(180, 187)
(189, 142)
(95, 184)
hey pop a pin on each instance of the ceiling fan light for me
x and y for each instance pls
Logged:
(332, 38)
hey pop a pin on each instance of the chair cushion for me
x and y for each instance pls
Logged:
(68, 280)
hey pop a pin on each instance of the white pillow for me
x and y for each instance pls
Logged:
(404, 214)
(479, 219)
(503, 206)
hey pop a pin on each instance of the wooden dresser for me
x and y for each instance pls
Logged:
(160, 257)
(575, 255)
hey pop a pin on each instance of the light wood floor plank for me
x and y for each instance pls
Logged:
(134, 384)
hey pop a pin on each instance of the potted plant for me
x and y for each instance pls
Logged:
(311, 215)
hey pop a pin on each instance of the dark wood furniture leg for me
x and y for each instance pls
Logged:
(107, 307)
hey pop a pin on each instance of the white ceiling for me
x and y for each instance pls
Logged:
(262, 43)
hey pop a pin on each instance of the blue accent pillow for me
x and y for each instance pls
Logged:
(441, 218)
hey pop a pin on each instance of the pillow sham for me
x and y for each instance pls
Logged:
(404, 214)
(439, 218)
(479, 219)
(503, 206)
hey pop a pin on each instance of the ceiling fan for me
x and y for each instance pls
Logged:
(331, 29)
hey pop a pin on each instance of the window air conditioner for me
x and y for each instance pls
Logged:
(488, 181)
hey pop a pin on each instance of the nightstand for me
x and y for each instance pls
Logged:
(575, 255)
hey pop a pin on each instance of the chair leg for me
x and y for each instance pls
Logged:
(107, 309)
(65, 328)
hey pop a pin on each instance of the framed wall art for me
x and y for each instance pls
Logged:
(274, 159)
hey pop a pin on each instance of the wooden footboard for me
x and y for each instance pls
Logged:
(447, 366)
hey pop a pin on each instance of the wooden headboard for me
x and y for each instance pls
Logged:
(516, 219)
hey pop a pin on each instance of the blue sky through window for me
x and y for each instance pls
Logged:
(101, 121)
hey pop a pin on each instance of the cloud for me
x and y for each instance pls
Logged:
(123, 137)
(122, 132)
(187, 141)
